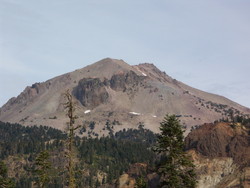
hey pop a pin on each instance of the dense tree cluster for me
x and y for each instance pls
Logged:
(111, 156)
(17, 139)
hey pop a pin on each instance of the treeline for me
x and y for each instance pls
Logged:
(243, 120)
(16, 139)
(100, 160)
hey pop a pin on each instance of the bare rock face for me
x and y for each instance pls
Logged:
(211, 171)
(221, 140)
(91, 92)
(138, 170)
(221, 153)
(126, 182)
(210, 140)
(120, 82)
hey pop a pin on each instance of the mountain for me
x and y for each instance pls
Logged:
(111, 95)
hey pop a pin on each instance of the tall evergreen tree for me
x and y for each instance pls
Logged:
(5, 181)
(43, 166)
(175, 168)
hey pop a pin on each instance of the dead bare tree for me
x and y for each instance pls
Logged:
(70, 107)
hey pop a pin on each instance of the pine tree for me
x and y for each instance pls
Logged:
(5, 181)
(70, 106)
(43, 166)
(175, 168)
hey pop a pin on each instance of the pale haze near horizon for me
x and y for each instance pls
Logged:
(205, 44)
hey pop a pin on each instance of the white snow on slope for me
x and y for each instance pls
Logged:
(87, 111)
(135, 113)
(141, 72)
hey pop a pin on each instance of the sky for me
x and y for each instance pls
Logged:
(205, 44)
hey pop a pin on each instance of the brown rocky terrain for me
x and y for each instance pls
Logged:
(111, 90)
(221, 153)
(138, 170)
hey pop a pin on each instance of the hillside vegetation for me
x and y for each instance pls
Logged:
(99, 160)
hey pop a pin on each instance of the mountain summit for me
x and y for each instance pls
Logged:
(111, 95)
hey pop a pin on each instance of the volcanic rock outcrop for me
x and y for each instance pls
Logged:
(221, 140)
(221, 153)
(91, 92)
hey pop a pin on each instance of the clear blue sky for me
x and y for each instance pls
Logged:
(205, 44)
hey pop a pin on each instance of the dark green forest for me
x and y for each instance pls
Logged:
(105, 157)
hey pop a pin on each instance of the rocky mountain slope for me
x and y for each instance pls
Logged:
(112, 95)
(221, 154)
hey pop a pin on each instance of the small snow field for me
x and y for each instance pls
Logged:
(135, 113)
(142, 72)
(87, 111)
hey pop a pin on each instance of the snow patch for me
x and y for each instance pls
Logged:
(87, 111)
(142, 72)
(135, 113)
(154, 116)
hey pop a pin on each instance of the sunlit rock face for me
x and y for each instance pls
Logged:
(91, 92)
(221, 154)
